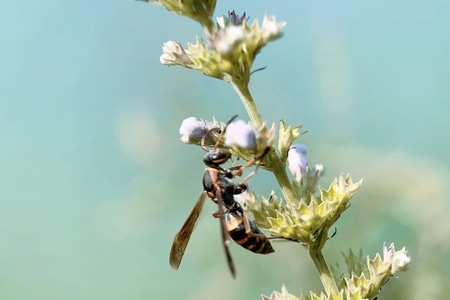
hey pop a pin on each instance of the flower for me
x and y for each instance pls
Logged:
(192, 130)
(228, 39)
(235, 19)
(398, 259)
(297, 160)
(248, 142)
(270, 29)
(306, 219)
(229, 33)
(174, 54)
(232, 43)
(241, 134)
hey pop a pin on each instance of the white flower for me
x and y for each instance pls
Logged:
(221, 22)
(270, 28)
(241, 134)
(192, 130)
(297, 160)
(227, 38)
(398, 259)
(174, 54)
(317, 170)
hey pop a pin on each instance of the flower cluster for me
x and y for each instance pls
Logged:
(307, 220)
(366, 279)
(369, 275)
(241, 139)
(232, 43)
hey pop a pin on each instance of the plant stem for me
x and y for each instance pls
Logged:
(278, 168)
(250, 106)
(325, 275)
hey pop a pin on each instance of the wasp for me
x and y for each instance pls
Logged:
(234, 223)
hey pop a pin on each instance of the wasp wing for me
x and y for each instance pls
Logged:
(181, 239)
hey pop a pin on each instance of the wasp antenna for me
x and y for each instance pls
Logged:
(202, 144)
(224, 130)
(231, 120)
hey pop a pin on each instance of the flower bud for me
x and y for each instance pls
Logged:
(297, 160)
(192, 130)
(270, 28)
(174, 54)
(241, 134)
(398, 259)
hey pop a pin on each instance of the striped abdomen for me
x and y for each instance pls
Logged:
(254, 241)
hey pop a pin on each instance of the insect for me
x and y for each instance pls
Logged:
(234, 223)
(244, 232)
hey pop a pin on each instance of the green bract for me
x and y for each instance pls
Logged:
(286, 136)
(308, 219)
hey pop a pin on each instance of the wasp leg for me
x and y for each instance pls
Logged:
(249, 164)
(248, 229)
(223, 229)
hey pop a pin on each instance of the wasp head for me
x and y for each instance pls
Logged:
(216, 157)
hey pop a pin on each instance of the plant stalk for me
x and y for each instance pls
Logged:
(325, 275)
(278, 168)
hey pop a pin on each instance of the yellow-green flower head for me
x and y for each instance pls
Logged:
(238, 43)
(255, 36)
(308, 219)
(369, 275)
(197, 56)
(232, 47)
(229, 32)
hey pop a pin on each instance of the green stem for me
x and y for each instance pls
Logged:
(278, 167)
(250, 106)
(324, 272)
(279, 170)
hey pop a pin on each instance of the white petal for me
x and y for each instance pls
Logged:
(227, 38)
(240, 134)
(270, 28)
(297, 160)
(174, 54)
(191, 129)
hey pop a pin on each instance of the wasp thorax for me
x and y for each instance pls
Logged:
(216, 157)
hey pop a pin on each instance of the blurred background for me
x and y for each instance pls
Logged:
(95, 181)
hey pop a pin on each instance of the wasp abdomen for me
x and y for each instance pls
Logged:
(254, 241)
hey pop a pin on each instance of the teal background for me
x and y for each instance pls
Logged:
(94, 182)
